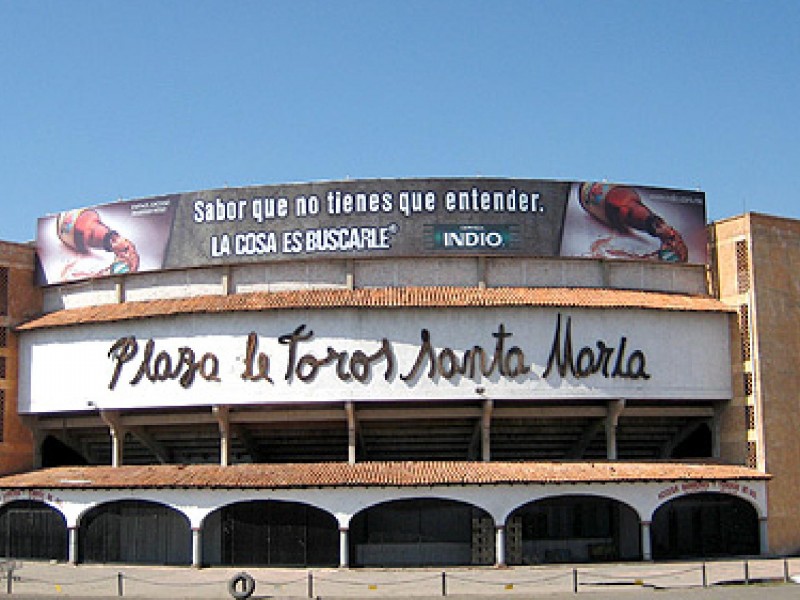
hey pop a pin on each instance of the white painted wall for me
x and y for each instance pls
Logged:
(343, 503)
(322, 273)
(686, 355)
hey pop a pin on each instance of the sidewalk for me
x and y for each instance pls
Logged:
(633, 580)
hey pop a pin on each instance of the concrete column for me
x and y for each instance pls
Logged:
(350, 410)
(613, 411)
(486, 431)
(223, 422)
(117, 446)
(500, 545)
(344, 548)
(227, 281)
(117, 432)
(350, 278)
(197, 547)
(716, 432)
(611, 441)
(763, 536)
(72, 550)
(224, 448)
(647, 543)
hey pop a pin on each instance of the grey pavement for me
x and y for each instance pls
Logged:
(618, 581)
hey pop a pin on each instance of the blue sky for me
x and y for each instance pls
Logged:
(102, 100)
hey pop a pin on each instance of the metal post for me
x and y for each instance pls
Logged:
(10, 575)
(574, 581)
(444, 583)
(746, 573)
(785, 570)
(705, 576)
(310, 584)
(119, 585)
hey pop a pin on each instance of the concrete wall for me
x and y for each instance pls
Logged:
(665, 355)
(24, 300)
(770, 289)
(343, 273)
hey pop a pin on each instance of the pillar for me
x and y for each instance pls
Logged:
(647, 543)
(197, 547)
(222, 413)
(613, 411)
(716, 432)
(114, 422)
(611, 441)
(500, 545)
(486, 431)
(763, 536)
(344, 548)
(224, 448)
(72, 550)
(350, 411)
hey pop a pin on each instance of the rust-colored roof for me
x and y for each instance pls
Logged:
(407, 297)
(370, 474)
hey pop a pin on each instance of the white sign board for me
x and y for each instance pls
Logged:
(376, 355)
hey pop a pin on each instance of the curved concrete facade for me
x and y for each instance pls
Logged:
(410, 356)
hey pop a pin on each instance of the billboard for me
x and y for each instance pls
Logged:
(373, 219)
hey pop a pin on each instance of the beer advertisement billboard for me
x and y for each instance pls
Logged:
(374, 219)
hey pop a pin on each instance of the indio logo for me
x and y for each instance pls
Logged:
(454, 237)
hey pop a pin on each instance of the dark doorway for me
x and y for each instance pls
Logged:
(135, 532)
(705, 525)
(270, 533)
(421, 533)
(572, 529)
(33, 530)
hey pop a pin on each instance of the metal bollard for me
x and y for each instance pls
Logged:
(574, 581)
(746, 573)
(444, 583)
(120, 591)
(310, 584)
(785, 570)
(705, 576)
(10, 578)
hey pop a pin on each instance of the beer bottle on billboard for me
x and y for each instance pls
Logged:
(83, 230)
(621, 208)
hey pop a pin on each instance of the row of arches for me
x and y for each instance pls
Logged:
(410, 532)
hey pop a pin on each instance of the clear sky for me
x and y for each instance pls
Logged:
(102, 100)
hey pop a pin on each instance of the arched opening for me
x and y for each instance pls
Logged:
(572, 529)
(135, 532)
(270, 533)
(421, 532)
(705, 525)
(33, 530)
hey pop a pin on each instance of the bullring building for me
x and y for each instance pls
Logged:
(377, 373)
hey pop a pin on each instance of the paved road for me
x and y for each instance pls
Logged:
(634, 581)
(782, 592)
